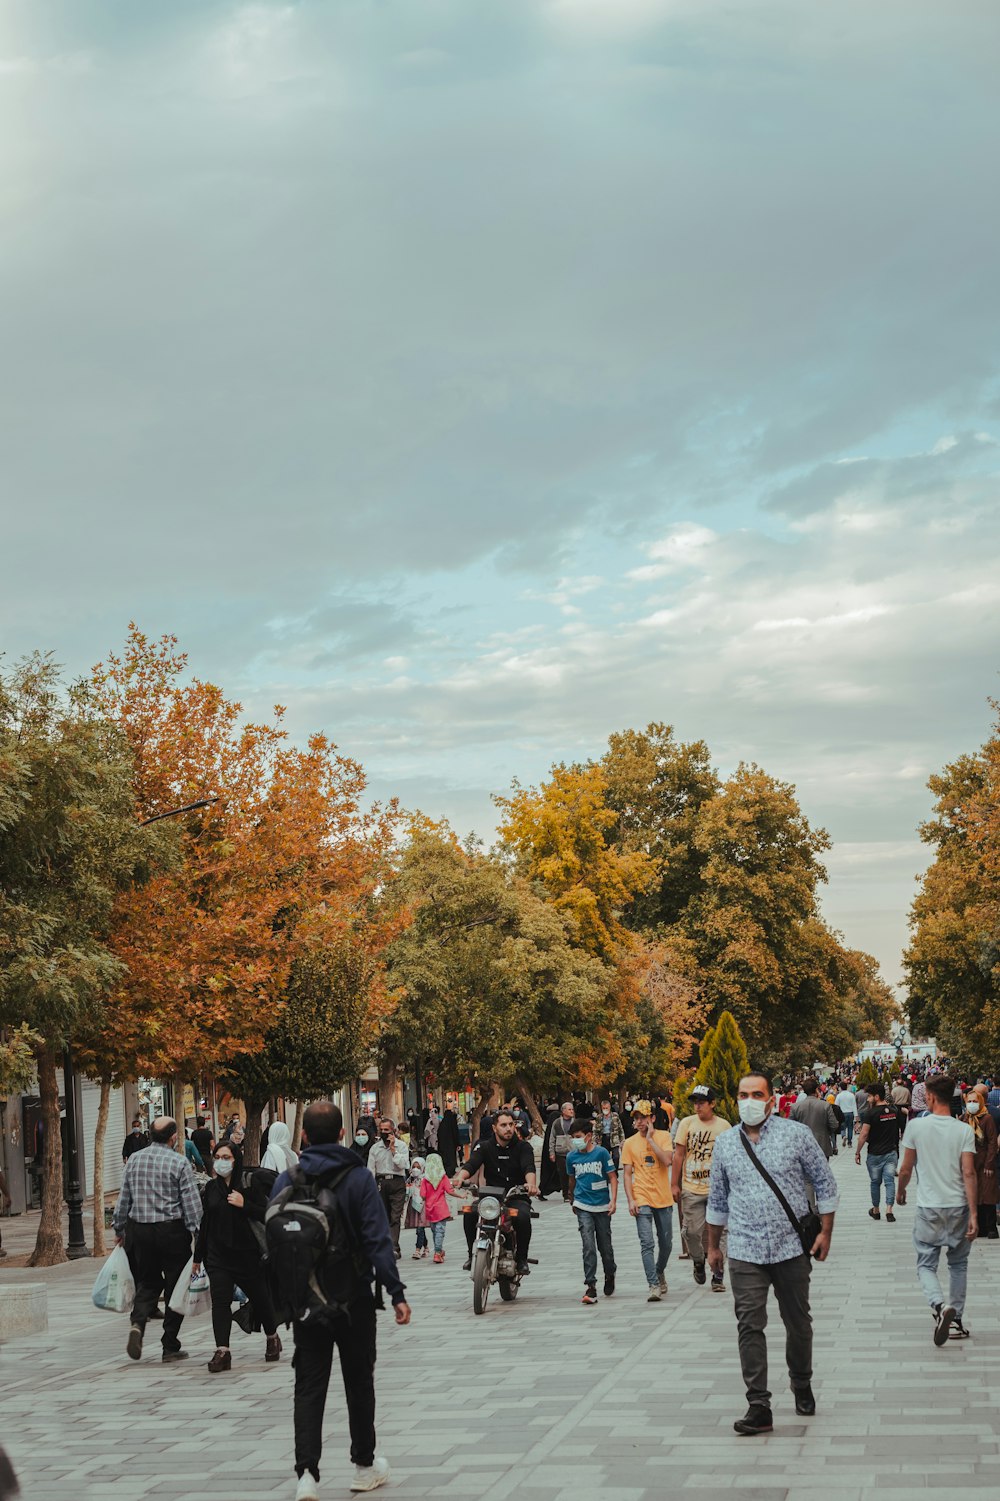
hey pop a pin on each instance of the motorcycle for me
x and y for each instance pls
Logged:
(494, 1250)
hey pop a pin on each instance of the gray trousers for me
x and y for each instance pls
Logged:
(693, 1207)
(751, 1285)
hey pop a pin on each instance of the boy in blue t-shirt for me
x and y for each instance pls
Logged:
(595, 1193)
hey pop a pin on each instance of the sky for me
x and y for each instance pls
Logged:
(479, 377)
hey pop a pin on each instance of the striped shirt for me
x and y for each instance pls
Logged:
(158, 1185)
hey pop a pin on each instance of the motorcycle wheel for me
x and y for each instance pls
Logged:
(508, 1288)
(480, 1281)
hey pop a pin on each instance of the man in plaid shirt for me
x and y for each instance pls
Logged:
(158, 1211)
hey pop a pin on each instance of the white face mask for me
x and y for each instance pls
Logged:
(362, 1138)
(973, 1106)
(579, 1143)
(753, 1112)
(224, 1166)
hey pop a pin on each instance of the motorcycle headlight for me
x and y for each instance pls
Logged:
(489, 1209)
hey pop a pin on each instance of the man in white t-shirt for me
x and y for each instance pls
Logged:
(943, 1151)
(848, 1107)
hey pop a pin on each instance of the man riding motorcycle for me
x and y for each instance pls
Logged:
(506, 1162)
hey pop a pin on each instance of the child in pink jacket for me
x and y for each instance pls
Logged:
(435, 1185)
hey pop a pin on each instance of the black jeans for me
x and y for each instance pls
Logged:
(565, 1186)
(251, 1277)
(392, 1190)
(751, 1285)
(354, 1338)
(522, 1227)
(158, 1254)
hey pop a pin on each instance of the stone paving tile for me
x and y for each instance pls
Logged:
(627, 1400)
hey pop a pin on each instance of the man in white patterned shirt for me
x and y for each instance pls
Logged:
(158, 1211)
(765, 1246)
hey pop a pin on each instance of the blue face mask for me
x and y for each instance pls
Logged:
(579, 1143)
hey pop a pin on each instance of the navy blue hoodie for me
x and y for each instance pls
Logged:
(362, 1203)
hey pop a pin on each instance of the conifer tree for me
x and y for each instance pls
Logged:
(723, 1063)
(866, 1074)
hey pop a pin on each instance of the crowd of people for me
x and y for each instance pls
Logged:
(758, 1196)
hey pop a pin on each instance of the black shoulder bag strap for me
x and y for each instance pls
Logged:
(806, 1228)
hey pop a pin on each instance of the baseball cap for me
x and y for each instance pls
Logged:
(702, 1092)
(642, 1107)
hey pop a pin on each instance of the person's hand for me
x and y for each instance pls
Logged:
(821, 1245)
(857, 1157)
(973, 1229)
(552, 1156)
(988, 1170)
(533, 1192)
(900, 1195)
(612, 1208)
(119, 1240)
(236, 1199)
(403, 1313)
(196, 1268)
(716, 1261)
(633, 1209)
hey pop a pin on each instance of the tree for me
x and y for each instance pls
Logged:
(656, 789)
(18, 1050)
(70, 848)
(723, 1062)
(867, 1073)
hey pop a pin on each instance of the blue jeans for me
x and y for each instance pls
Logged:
(595, 1232)
(437, 1229)
(935, 1230)
(883, 1170)
(421, 1238)
(662, 1220)
(847, 1129)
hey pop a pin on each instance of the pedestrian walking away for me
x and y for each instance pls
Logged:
(693, 1149)
(389, 1163)
(881, 1128)
(595, 1196)
(340, 1315)
(279, 1156)
(848, 1107)
(943, 1151)
(817, 1114)
(560, 1145)
(770, 1246)
(158, 1211)
(228, 1247)
(646, 1159)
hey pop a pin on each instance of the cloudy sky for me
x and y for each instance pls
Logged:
(477, 377)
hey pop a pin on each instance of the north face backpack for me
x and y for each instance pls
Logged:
(314, 1266)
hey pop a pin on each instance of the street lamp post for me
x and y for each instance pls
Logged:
(76, 1245)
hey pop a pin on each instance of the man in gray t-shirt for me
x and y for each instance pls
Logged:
(943, 1151)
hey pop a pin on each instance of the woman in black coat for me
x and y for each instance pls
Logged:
(228, 1250)
(448, 1141)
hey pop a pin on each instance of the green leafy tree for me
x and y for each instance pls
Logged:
(723, 1062)
(867, 1073)
(69, 844)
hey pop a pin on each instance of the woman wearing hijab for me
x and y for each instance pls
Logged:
(435, 1185)
(279, 1156)
(984, 1130)
(548, 1182)
(228, 1250)
(448, 1140)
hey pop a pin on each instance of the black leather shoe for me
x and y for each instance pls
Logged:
(757, 1420)
(171, 1355)
(805, 1402)
(609, 1285)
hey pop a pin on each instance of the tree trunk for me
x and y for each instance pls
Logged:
(300, 1110)
(531, 1105)
(100, 1133)
(252, 1135)
(390, 1097)
(49, 1249)
(486, 1096)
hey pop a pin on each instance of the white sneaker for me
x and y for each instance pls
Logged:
(371, 1479)
(308, 1490)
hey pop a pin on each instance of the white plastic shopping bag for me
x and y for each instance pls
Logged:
(114, 1289)
(191, 1296)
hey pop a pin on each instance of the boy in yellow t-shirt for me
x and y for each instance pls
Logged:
(645, 1164)
(696, 1137)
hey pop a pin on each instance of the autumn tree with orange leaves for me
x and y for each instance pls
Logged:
(283, 858)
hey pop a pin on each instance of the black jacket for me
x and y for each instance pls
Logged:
(225, 1236)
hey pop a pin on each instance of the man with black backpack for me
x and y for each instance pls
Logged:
(328, 1239)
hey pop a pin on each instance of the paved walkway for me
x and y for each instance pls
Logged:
(543, 1399)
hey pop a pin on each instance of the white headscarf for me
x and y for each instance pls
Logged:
(279, 1155)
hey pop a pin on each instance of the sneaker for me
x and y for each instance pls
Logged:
(438, 1257)
(805, 1402)
(133, 1346)
(416, 1257)
(424, 1253)
(757, 1420)
(655, 1296)
(589, 1295)
(371, 1478)
(958, 1329)
(307, 1488)
(609, 1285)
(699, 1273)
(169, 1356)
(890, 1218)
(661, 1283)
(873, 1214)
(718, 1286)
(943, 1322)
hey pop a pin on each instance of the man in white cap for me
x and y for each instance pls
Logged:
(693, 1148)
